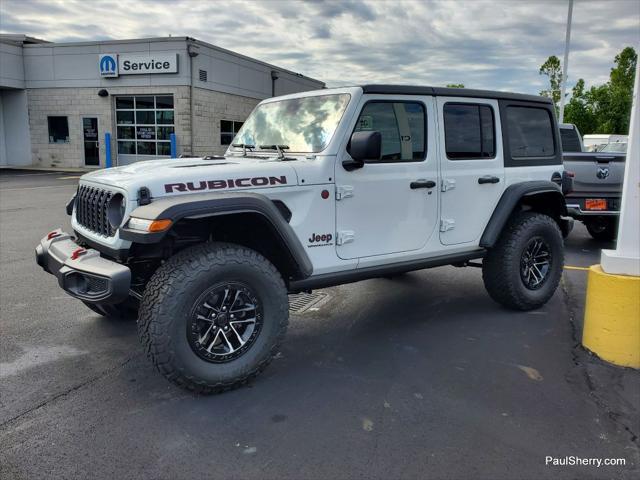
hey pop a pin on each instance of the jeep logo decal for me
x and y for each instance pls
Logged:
(220, 184)
(320, 240)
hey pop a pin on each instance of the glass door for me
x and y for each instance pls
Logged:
(91, 141)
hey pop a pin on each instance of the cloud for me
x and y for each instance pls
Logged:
(481, 43)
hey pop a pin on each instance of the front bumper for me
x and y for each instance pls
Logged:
(83, 273)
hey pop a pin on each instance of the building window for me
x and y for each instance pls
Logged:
(530, 132)
(144, 124)
(469, 131)
(58, 129)
(228, 130)
(401, 125)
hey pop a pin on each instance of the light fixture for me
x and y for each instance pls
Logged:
(103, 93)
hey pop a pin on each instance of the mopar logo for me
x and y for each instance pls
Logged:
(602, 173)
(108, 65)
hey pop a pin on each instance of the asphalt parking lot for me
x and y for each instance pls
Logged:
(421, 376)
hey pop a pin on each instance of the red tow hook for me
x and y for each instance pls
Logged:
(53, 234)
(77, 252)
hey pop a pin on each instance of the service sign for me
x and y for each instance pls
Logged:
(113, 65)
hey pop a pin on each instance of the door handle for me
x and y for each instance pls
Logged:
(488, 179)
(422, 184)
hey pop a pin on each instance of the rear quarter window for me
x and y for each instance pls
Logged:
(530, 132)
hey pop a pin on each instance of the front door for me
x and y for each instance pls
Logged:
(389, 205)
(472, 167)
(91, 141)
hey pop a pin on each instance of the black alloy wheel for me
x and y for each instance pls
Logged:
(225, 322)
(535, 263)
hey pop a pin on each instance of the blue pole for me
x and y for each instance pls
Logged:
(174, 150)
(107, 146)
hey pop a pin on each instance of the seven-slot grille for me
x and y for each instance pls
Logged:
(91, 210)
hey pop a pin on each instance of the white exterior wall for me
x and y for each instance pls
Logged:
(11, 66)
(229, 72)
(14, 128)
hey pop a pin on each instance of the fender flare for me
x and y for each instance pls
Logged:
(203, 205)
(510, 199)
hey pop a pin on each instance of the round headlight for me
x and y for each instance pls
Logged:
(115, 210)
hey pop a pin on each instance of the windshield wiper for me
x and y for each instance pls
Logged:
(244, 147)
(278, 148)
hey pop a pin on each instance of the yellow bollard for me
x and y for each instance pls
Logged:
(612, 317)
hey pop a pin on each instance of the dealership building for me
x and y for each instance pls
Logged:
(60, 101)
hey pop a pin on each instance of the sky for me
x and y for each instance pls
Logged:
(496, 45)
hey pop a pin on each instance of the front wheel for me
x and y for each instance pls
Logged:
(213, 316)
(523, 270)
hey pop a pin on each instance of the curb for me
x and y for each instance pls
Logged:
(612, 317)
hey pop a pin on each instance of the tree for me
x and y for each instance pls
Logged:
(578, 111)
(621, 91)
(552, 69)
(455, 85)
(605, 108)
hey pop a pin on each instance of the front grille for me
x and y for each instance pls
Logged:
(91, 210)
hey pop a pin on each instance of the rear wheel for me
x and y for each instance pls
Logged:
(602, 228)
(524, 268)
(213, 316)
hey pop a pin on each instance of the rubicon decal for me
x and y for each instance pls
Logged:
(320, 240)
(222, 184)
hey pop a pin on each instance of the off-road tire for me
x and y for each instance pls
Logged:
(501, 266)
(125, 310)
(604, 229)
(172, 292)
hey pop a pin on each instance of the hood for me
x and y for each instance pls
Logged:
(196, 175)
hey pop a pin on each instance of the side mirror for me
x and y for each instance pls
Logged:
(363, 146)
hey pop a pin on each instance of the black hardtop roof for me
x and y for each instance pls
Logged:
(450, 92)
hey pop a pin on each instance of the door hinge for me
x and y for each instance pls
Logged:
(448, 184)
(345, 236)
(344, 191)
(447, 224)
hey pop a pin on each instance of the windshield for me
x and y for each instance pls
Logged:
(618, 147)
(304, 125)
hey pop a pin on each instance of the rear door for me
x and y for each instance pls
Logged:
(471, 164)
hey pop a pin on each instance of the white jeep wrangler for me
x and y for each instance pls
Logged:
(317, 189)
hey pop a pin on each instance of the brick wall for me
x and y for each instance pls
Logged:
(210, 107)
(76, 103)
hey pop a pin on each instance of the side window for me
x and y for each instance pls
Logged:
(58, 129)
(228, 130)
(401, 125)
(469, 131)
(530, 132)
